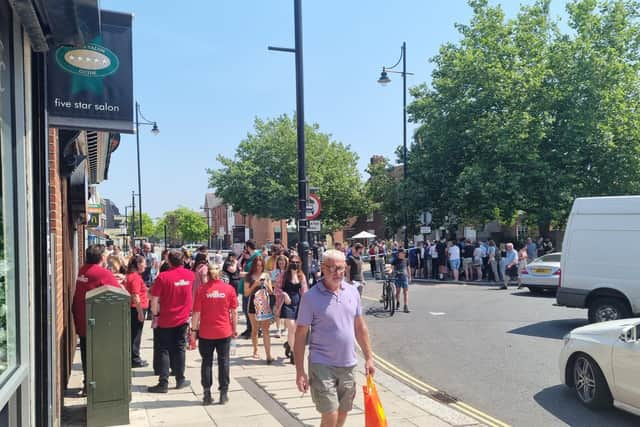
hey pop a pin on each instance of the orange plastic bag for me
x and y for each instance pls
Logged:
(373, 412)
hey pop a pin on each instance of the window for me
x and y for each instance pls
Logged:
(8, 306)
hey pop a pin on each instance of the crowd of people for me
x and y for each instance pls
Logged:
(194, 298)
(461, 259)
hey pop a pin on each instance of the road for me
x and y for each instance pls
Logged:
(494, 350)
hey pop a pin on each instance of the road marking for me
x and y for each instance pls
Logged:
(370, 299)
(437, 313)
(428, 389)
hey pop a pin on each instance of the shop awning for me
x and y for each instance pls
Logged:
(58, 22)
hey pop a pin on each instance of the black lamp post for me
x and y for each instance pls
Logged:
(155, 131)
(206, 211)
(384, 80)
(303, 244)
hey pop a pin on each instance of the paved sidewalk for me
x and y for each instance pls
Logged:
(259, 396)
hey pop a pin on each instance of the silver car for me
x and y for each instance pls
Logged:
(542, 274)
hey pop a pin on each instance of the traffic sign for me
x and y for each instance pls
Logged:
(425, 229)
(313, 206)
(314, 225)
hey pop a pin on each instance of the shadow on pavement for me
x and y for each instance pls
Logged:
(561, 402)
(378, 312)
(544, 294)
(555, 329)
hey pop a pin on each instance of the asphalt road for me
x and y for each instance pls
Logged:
(494, 350)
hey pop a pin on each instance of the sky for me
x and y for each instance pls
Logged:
(203, 72)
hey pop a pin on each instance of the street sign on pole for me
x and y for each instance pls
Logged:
(425, 230)
(313, 206)
(314, 225)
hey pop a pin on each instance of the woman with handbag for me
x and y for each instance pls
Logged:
(292, 286)
(280, 266)
(259, 290)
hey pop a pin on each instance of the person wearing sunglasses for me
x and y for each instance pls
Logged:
(331, 312)
(292, 285)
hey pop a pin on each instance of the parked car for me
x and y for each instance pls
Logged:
(542, 273)
(598, 270)
(601, 362)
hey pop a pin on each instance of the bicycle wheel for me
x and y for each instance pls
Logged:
(385, 295)
(391, 298)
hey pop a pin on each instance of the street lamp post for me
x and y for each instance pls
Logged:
(303, 244)
(206, 211)
(384, 80)
(155, 131)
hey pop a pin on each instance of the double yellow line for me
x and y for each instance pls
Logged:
(427, 389)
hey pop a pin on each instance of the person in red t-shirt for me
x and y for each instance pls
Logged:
(139, 304)
(214, 322)
(171, 302)
(91, 275)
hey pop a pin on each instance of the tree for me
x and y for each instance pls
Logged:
(262, 180)
(183, 226)
(521, 118)
(148, 228)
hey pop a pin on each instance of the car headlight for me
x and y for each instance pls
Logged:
(566, 338)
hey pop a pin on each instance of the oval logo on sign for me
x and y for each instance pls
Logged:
(91, 60)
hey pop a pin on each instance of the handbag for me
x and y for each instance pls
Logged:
(374, 415)
(262, 305)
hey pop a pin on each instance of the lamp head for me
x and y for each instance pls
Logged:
(384, 78)
(154, 129)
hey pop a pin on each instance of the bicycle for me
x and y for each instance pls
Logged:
(389, 294)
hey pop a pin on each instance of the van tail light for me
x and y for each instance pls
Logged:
(524, 271)
(559, 274)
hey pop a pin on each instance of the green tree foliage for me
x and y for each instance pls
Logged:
(389, 196)
(520, 117)
(148, 228)
(183, 226)
(262, 177)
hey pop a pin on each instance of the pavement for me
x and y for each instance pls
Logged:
(260, 395)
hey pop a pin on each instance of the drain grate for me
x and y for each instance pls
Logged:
(442, 397)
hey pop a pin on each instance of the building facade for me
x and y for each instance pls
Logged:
(46, 174)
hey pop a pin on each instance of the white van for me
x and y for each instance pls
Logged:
(600, 262)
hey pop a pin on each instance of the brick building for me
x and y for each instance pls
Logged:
(223, 221)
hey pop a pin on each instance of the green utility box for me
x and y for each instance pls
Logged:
(108, 356)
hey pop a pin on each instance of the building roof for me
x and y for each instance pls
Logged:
(212, 201)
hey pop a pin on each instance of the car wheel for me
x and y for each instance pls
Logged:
(604, 309)
(589, 382)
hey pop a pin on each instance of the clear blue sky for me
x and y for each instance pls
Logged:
(203, 72)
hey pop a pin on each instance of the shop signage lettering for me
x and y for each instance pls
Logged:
(91, 86)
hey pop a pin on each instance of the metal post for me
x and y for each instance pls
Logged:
(165, 235)
(302, 174)
(133, 220)
(138, 153)
(404, 124)
(126, 228)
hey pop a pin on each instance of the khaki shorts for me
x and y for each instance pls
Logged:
(332, 388)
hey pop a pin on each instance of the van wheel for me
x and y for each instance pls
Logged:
(590, 384)
(604, 309)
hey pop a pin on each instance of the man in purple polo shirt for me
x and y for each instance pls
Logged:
(333, 311)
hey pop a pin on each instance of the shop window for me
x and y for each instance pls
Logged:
(8, 306)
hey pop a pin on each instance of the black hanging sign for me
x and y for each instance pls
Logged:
(91, 87)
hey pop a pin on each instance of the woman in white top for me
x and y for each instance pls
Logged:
(453, 252)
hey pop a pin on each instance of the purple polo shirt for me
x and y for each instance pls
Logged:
(332, 319)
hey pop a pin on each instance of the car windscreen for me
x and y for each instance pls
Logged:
(549, 258)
